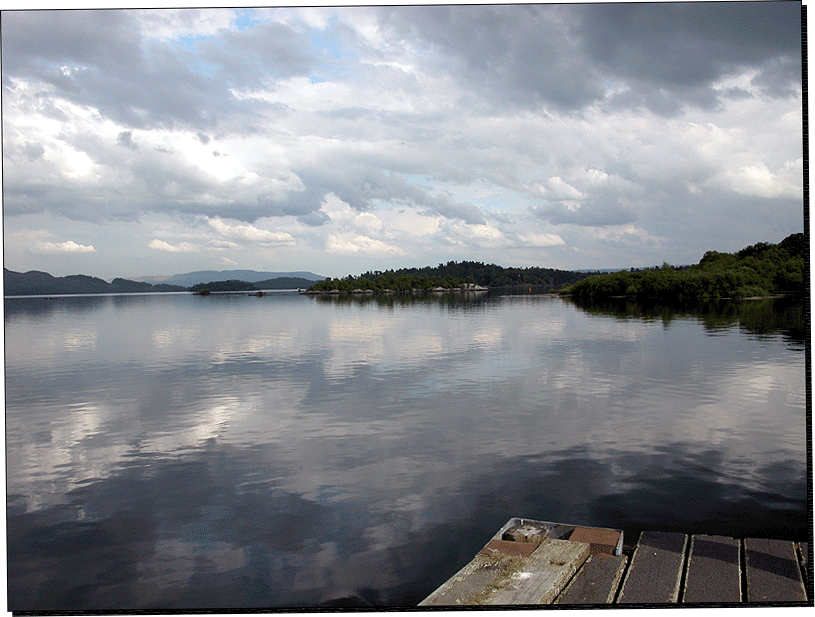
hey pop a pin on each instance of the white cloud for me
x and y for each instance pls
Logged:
(222, 244)
(541, 239)
(161, 245)
(759, 181)
(557, 189)
(249, 233)
(67, 247)
(411, 133)
(344, 243)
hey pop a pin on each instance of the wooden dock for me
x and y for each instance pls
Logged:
(531, 562)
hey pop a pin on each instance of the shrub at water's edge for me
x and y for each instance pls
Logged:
(759, 270)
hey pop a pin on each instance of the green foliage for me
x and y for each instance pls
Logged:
(451, 275)
(387, 281)
(758, 270)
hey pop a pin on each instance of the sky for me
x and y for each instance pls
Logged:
(345, 139)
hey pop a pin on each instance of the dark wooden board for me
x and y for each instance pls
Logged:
(773, 573)
(656, 569)
(601, 540)
(509, 547)
(596, 582)
(713, 571)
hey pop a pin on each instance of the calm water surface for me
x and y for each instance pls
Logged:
(176, 451)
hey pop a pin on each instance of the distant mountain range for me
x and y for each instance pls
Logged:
(35, 282)
(204, 276)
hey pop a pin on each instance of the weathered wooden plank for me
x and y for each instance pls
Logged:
(656, 569)
(713, 572)
(470, 582)
(596, 582)
(803, 547)
(541, 577)
(773, 574)
(496, 578)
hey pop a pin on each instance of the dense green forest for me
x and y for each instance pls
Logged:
(758, 270)
(451, 275)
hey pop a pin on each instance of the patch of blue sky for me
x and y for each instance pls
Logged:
(189, 41)
(202, 68)
(246, 19)
(421, 179)
(329, 42)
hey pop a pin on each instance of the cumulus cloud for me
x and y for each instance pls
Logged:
(541, 239)
(358, 244)
(68, 246)
(161, 245)
(447, 132)
(243, 232)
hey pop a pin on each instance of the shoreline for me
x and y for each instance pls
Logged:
(470, 288)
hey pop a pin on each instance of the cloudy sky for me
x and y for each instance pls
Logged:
(338, 140)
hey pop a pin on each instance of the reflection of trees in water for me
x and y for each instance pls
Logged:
(45, 306)
(767, 316)
(390, 300)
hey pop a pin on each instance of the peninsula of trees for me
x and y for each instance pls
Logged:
(452, 275)
(758, 270)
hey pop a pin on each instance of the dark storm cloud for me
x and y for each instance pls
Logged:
(779, 77)
(602, 211)
(663, 55)
(677, 51)
(268, 50)
(688, 43)
(98, 58)
(36, 41)
(517, 55)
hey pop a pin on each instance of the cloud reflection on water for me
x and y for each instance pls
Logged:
(294, 452)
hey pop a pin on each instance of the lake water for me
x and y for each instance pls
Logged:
(230, 451)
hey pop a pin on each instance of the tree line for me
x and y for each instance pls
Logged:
(452, 275)
(758, 270)
(35, 282)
